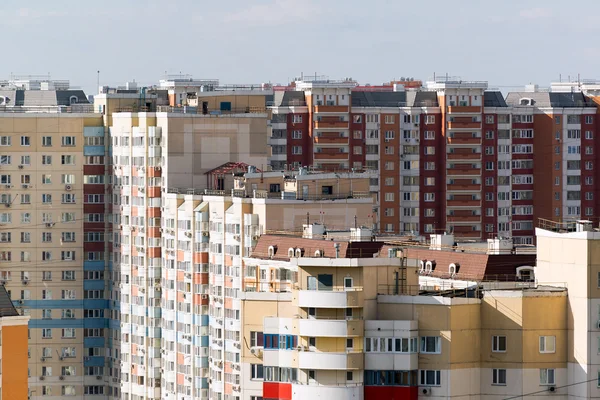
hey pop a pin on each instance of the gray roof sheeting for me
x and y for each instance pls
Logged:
(7, 308)
(378, 99)
(493, 99)
(550, 99)
(293, 98)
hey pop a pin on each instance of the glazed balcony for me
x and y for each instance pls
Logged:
(464, 138)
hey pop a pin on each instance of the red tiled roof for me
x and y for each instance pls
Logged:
(473, 266)
(310, 246)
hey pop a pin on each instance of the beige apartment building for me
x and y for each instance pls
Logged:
(370, 323)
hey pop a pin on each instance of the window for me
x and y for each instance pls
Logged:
(547, 344)
(256, 339)
(498, 344)
(429, 119)
(547, 376)
(68, 141)
(297, 119)
(46, 141)
(357, 150)
(389, 197)
(431, 344)
(489, 119)
(46, 333)
(429, 135)
(256, 371)
(430, 378)
(46, 160)
(296, 149)
(389, 119)
(498, 376)
(429, 197)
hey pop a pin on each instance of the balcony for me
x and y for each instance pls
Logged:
(316, 391)
(463, 125)
(464, 156)
(463, 171)
(331, 109)
(463, 203)
(331, 138)
(331, 124)
(392, 361)
(331, 327)
(329, 155)
(467, 233)
(330, 361)
(330, 299)
(464, 139)
(464, 109)
(469, 188)
(463, 219)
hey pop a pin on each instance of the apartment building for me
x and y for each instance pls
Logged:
(445, 156)
(53, 255)
(362, 319)
(13, 340)
(189, 200)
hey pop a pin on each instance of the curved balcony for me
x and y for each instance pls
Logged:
(331, 327)
(331, 109)
(463, 203)
(315, 391)
(330, 361)
(330, 299)
(463, 171)
(464, 125)
(331, 124)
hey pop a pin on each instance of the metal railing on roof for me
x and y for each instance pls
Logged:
(74, 109)
(211, 113)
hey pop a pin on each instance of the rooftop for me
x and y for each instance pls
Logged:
(7, 309)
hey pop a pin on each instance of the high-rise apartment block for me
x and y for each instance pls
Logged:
(195, 240)
(450, 157)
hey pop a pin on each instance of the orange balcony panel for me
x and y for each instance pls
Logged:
(331, 124)
(134, 290)
(180, 377)
(228, 303)
(464, 125)
(334, 156)
(154, 191)
(201, 258)
(201, 278)
(464, 171)
(463, 203)
(153, 232)
(331, 140)
(473, 187)
(336, 109)
(464, 156)
(180, 275)
(134, 210)
(464, 140)
(464, 109)
(180, 255)
(471, 218)
(154, 172)
(153, 212)
(154, 252)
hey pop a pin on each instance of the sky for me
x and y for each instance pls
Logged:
(508, 43)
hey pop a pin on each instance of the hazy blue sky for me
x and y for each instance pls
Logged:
(507, 42)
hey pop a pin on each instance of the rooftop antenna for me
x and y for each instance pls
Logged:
(98, 80)
(307, 218)
(355, 222)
